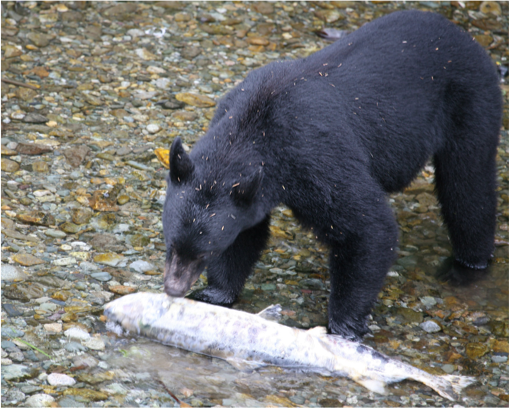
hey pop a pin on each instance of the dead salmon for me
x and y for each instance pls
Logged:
(249, 341)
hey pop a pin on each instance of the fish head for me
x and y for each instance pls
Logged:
(208, 204)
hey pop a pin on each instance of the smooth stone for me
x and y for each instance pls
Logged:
(449, 368)
(476, 350)
(33, 117)
(200, 101)
(40, 167)
(15, 372)
(11, 332)
(53, 327)
(64, 261)
(95, 343)
(10, 309)
(142, 266)
(88, 266)
(55, 233)
(428, 301)
(430, 326)
(152, 128)
(110, 259)
(40, 400)
(27, 259)
(9, 166)
(77, 333)
(74, 347)
(57, 379)
(499, 358)
(13, 397)
(11, 273)
(70, 402)
(101, 276)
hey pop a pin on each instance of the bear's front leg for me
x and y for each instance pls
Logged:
(227, 273)
(358, 266)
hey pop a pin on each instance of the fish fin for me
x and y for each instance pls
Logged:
(244, 365)
(448, 386)
(273, 313)
(319, 331)
(377, 386)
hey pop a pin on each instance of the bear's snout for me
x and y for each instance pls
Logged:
(180, 275)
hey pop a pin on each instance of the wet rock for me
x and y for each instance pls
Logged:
(39, 39)
(57, 379)
(11, 273)
(27, 259)
(15, 372)
(501, 346)
(200, 101)
(94, 343)
(263, 7)
(10, 309)
(142, 266)
(26, 94)
(102, 276)
(70, 227)
(32, 149)
(122, 289)
(476, 350)
(490, 7)
(33, 117)
(75, 155)
(86, 394)
(408, 315)
(430, 326)
(106, 242)
(9, 166)
(11, 51)
(40, 167)
(123, 8)
(40, 400)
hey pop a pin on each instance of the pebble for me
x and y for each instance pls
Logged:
(27, 259)
(15, 372)
(430, 326)
(101, 276)
(55, 233)
(110, 259)
(152, 128)
(77, 334)
(57, 379)
(53, 327)
(73, 347)
(94, 343)
(40, 400)
(142, 266)
(11, 273)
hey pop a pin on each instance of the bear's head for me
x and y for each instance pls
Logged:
(209, 201)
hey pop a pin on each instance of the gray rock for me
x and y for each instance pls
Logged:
(142, 266)
(11, 332)
(33, 117)
(11, 273)
(13, 397)
(69, 402)
(430, 326)
(15, 372)
(74, 347)
(428, 301)
(39, 400)
(101, 276)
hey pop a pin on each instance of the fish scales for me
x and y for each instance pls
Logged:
(248, 341)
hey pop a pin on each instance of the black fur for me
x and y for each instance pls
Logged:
(329, 136)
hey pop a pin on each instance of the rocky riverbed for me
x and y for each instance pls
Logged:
(90, 90)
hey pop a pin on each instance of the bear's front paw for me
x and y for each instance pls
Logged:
(460, 273)
(213, 296)
(352, 330)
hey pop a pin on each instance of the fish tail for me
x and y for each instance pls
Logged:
(448, 386)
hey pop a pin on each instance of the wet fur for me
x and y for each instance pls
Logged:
(329, 136)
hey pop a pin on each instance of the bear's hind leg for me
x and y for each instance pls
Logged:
(227, 273)
(465, 178)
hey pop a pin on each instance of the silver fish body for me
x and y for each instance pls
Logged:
(249, 341)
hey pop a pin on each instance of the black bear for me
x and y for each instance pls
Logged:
(329, 136)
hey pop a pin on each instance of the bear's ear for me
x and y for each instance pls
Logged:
(245, 189)
(181, 166)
